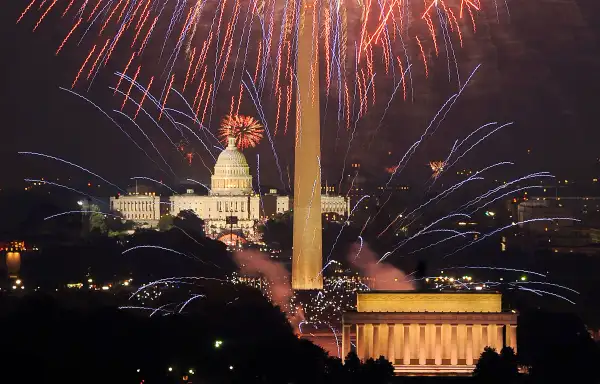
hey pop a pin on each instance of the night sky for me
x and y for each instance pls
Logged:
(540, 69)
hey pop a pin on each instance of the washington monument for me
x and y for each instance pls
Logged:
(307, 259)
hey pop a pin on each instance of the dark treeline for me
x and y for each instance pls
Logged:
(233, 336)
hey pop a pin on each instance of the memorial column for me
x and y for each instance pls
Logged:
(438, 344)
(512, 337)
(422, 345)
(407, 344)
(345, 340)
(360, 341)
(391, 349)
(376, 344)
(499, 337)
(454, 344)
(469, 346)
(369, 343)
(485, 342)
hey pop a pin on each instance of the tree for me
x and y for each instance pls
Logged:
(494, 367)
(488, 366)
(165, 223)
(117, 224)
(66, 339)
(510, 366)
(188, 221)
(378, 371)
(97, 220)
(277, 231)
(352, 363)
(558, 348)
(371, 371)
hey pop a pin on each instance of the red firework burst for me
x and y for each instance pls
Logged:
(437, 167)
(248, 132)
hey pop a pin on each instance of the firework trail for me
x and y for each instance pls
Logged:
(153, 247)
(443, 194)
(66, 187)
(155, 181)
(194, 297)
(479, 141)
(197, 182)
(178, 279)
(161, 308)
(151, 118)
(503, 186)
(71, 164)
(499, 269)
(423, 231)
(255, 98)
(144, 308)
(380, 31)
(345, 224)
(504, 195)
(546, 283)
(461, 234)
(71, 212)
(113, 121)
(509, 226)
(147, 138)
(359, 248)
(258, 182)
(385, 276)
(539, 292)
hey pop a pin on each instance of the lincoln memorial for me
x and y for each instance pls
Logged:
(431, 333)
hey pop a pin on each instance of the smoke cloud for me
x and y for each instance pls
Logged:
(255, 262)
(383, 276)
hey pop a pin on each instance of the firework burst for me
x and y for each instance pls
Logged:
(248, 132)
(437, 167)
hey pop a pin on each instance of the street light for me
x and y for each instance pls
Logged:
(80, 203)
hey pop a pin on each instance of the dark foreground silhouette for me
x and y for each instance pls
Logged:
(236, 338)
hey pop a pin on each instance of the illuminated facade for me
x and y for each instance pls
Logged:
(231, 195)
(144, 209)
(428, 333)
(307, 258)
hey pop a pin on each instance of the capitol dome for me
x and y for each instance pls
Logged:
(232, 173)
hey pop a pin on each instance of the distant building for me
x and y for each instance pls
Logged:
(232, 204)
(335, 204)
(542, 209)
(421, 333)
(143, 209)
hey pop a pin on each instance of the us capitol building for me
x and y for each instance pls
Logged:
(231, 199)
